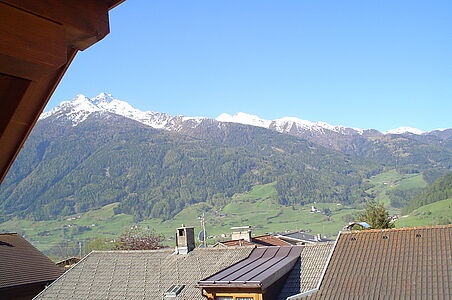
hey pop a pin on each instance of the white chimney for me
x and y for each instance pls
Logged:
(241, 233)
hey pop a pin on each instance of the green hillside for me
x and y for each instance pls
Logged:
(156, 174)
(440, 189)
(395, 189)
(257, 208)
(437, 213)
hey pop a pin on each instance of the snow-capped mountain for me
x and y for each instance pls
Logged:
(81, 107)
(286, 124)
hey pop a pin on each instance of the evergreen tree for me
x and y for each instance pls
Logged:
(376, 215)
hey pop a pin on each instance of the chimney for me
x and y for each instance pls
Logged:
(185, 239)
(241, 233)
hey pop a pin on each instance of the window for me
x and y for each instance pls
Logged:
(173, 291)
(224, 298)
(244, 298)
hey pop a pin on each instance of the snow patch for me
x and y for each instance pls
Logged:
(404, 129)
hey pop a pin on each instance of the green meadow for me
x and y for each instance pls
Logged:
(257, 208)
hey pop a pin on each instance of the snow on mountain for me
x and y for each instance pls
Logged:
(286, 124)
(81, 107)
(243, 118)
(402, 130)
(78, 109)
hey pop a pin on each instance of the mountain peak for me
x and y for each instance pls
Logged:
(244, 118)
(404, 129)
(102, 97)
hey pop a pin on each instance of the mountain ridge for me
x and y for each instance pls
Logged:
(106, 102)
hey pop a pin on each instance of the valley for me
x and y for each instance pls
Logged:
(96, 167)
(258, 208)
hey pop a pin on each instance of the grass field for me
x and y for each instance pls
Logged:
(437, 213)
(257, 208)
(392, 180)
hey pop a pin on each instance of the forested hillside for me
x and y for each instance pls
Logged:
(64, 170)
(441, 189)
(88, 153)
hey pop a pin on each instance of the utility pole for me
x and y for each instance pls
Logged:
(203, 226)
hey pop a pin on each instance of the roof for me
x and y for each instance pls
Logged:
(141, 274)
(39, 41)
(407, 263)
(307, 271)
(301, 236)
(269, 240)
(261, 269)
(262, 240)
(21, 263)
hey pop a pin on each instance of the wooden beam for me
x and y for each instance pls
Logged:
(85, 22)
(12, 90)
(27, 110)
(38, 40)
(31, 38)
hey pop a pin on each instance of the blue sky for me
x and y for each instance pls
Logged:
(367, 64)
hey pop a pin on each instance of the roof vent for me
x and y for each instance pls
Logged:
(353, 239)
(173, 291)
(418, 235)
(385, 237)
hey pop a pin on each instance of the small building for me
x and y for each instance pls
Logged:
(242, 236)
(301, 238)
(24, 270)
(261, 276)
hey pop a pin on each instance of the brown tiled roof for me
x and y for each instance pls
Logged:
(141, 274)
(306, 273)
(407, 263)
(21, 263)
(261, 269)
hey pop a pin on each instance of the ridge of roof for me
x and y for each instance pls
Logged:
(395, 229)
(170, 250)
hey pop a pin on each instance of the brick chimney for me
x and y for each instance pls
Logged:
(241, 233)
(185, 239)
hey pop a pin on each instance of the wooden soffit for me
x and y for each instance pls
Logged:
(38, 41)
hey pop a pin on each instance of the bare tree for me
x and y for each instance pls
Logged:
(140, 239)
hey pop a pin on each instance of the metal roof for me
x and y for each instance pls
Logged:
(261, 269)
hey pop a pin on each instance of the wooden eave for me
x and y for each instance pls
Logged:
(38, 41)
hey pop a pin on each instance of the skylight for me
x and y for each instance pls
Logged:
(173, 291)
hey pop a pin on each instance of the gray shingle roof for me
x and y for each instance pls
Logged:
(306, 273)
(141, 274)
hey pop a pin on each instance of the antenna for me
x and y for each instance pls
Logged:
(202, 234)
